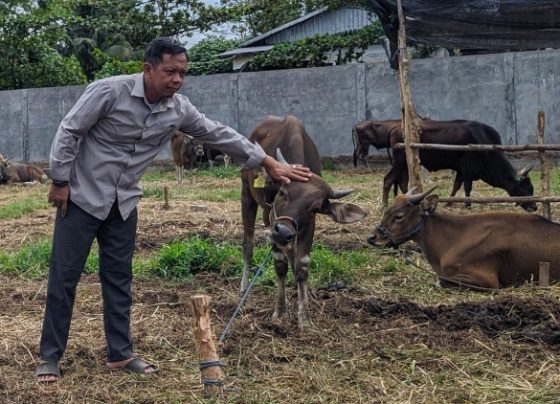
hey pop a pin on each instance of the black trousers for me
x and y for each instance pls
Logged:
(72, 240)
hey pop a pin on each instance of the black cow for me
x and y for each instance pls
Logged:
(491, 166)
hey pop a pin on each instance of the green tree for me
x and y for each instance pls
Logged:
(256, 17)
(203, 57)
(30, 33)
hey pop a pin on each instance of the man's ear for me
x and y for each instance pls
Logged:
(429, 204)
(147, 68)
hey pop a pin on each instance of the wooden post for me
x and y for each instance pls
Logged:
(166, 198)
(210, 364)
(544, 273)
(410, 126)
(545, 170)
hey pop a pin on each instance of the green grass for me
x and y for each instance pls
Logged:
(232, 171)
(21, 208)
(32, 261)
(182, 259)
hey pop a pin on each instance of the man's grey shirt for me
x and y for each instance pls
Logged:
(108, 139)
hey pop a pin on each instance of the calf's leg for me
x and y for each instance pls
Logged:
(301, 273)
(473, 278)
(281, 268)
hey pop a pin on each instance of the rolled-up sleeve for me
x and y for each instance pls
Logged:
(91, 106)
(220, 136)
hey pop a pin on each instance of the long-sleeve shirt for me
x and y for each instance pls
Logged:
(108, 139)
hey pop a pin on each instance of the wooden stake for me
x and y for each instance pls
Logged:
(166, 198)
(545, 171)
(411, 128)
(544, 274)
(210, 364)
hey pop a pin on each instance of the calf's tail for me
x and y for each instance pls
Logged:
(355, 144)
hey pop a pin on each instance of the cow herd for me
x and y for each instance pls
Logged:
(479, 251)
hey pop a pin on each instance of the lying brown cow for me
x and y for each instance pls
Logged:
(17, 172)
(289, 209)
(486, 250)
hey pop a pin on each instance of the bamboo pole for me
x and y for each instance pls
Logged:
(411, 128)
(210, 364)
(545, 167)
(544, 273)
(502, 199)
(481, 147)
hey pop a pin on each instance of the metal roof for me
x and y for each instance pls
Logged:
(241, 51)
(319, 22)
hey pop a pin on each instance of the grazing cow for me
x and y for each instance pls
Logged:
(485, 250)
(17, 172)
(376, 134)
(186, 151)
(289, 209)
(491, 166)
(371, 133)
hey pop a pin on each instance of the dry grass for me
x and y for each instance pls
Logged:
(389, 337)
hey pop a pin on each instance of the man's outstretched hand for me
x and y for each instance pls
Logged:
(286, 172)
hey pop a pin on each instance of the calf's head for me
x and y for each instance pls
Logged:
(403, 219)
(295, 205)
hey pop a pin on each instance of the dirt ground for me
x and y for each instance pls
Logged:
(388, 337)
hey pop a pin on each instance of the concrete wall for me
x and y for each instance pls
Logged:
(502, 90)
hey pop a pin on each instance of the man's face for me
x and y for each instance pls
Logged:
(167, 78)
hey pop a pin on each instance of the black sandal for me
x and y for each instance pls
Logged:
(139, 366)
(47, 369)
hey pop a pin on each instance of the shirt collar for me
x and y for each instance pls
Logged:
(138, 91)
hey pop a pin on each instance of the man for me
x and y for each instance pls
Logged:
(100, 151)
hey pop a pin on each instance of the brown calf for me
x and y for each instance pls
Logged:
(289, 209)
(185, 151)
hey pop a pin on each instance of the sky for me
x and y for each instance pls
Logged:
(222, 30)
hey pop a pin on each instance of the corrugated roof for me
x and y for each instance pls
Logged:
(244, 51)
(283, 27)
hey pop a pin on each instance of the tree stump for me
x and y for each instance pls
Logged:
(210, 364)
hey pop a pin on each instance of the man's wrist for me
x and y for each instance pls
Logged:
(60, 183)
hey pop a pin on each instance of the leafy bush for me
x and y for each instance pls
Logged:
(114, 67)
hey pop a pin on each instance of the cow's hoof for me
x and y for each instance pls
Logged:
(304, 324)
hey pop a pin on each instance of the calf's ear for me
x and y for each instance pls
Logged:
(429, 204)
(345, 212)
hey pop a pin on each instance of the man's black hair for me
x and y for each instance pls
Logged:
(159, 46)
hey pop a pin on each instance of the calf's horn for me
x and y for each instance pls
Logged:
(413, 198)
(280, 156)
(340, 194)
